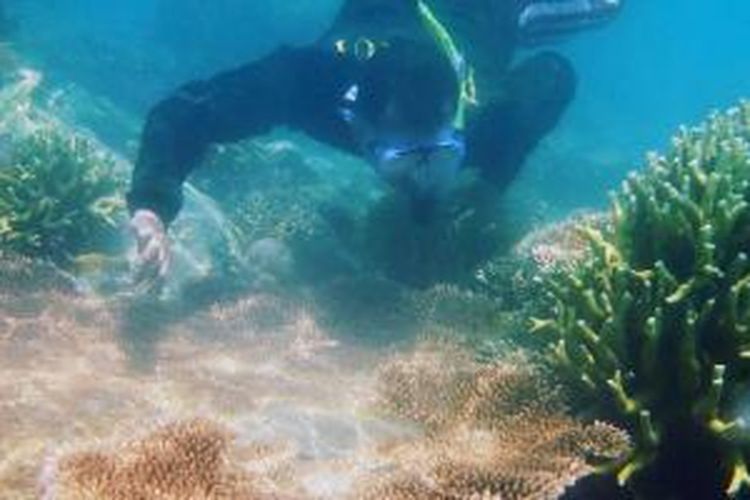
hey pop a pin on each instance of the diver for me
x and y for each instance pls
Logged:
(417, 88)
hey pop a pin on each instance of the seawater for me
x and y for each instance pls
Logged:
(294, 360)
(659, 65)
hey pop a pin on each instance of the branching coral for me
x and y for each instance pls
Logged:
(280, 215)
(655, 320)
(268, 190)
(183, 460)
(56, 197)
(493, 431)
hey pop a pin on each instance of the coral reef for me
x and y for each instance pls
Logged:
(654, 321)
(512, 278)
(492, 430)
(462, 312)
(462, 233)
(182, 460)
(343, 221)
(281, 215)
(268, 190)
(57, 197)
(273, 189)
(560, 245)
(75, 375)
(299, 402)
(23, 275)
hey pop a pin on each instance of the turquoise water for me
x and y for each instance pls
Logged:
(344, 348)
(661, 64)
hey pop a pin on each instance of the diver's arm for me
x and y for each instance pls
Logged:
(541, 20)
(299, 88)
(178, 131)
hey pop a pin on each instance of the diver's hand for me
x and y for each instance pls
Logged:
(154, 256)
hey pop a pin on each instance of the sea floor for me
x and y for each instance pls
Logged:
(305, 412)
(70, 375)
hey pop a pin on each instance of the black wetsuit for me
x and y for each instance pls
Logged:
(302, 88)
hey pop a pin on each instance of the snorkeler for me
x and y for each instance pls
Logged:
(417, 88)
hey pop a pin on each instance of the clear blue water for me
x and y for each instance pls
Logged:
(661, 64)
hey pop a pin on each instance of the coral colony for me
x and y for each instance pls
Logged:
(647, 310)
(57, 197)
(655, 320)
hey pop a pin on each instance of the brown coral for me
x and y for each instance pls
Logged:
(494, 431)
(182, 460)
(560, 245)
(427, 386)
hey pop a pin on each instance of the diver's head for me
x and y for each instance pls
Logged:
(408, 88)
(403, 111)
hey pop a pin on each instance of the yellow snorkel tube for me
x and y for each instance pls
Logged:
(467, 85)
(364, 49)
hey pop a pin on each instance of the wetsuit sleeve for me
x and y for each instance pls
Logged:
(501, 134)
(280, 89)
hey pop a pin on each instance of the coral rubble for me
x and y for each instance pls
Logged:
(654, 322)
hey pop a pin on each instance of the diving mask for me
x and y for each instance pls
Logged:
(427, 167)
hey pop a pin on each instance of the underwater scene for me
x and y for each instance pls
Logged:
(374, 249)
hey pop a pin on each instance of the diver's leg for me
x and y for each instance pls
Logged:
(501, 134)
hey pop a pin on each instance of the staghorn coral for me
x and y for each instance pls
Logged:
(493, 431)
(654, 322)
(182, 460)
(57, 197)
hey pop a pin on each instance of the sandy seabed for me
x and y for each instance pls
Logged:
(96, 393)
(70, 377)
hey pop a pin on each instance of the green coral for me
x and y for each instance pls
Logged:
(655, 320)
(57, 197)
